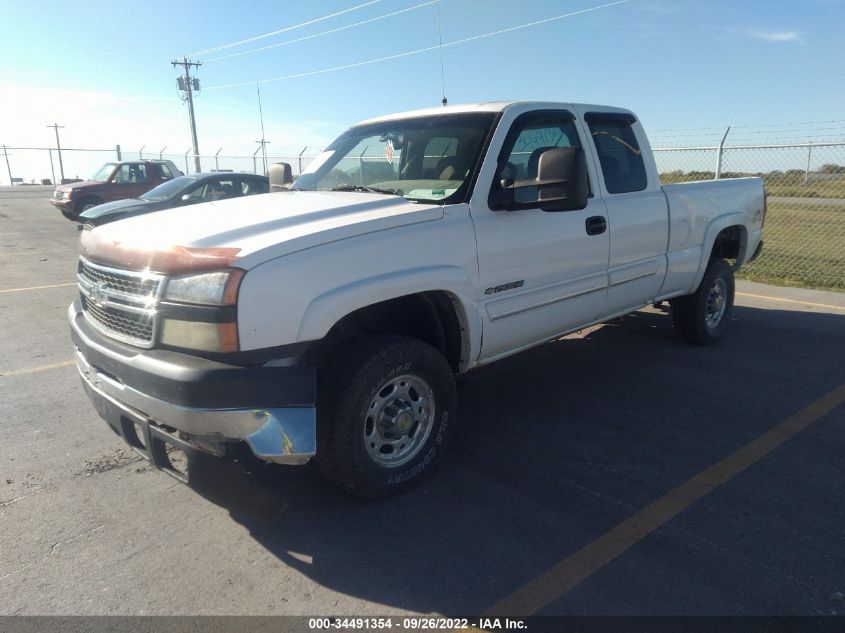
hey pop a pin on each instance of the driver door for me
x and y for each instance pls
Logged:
(541, 273)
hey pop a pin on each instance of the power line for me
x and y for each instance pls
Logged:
(322, 33)
(420, 50)
(284, 30)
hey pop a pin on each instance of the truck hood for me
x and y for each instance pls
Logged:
(247, 231)
(83, 184)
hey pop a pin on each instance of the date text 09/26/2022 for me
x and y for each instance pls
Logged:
(415, 624)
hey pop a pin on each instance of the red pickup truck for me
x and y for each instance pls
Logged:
(113, 181)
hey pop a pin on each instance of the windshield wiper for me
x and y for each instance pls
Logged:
(391, 192)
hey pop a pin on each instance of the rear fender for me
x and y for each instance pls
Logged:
(716, 226)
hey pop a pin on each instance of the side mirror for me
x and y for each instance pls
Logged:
(562, 184)
(281, 176)
(186, 197)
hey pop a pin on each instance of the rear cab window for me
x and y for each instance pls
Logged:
(618, 151)
(164, 172)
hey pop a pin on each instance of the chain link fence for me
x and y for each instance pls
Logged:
(45, 165)
(805, 224)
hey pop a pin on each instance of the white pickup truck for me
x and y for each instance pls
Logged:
(328, 320)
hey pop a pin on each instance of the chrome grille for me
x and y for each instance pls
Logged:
(124, 282)
(120, 303)
(138, 327)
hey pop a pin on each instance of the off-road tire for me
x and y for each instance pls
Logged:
(694, 315)
(347, 391)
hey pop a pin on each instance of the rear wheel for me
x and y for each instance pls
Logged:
(385, 412)
(703, 316)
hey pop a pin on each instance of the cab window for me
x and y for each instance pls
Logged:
(251, 187)
(529, 137)
(618, 151)
(130, 174)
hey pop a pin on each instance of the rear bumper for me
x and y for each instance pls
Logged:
(272, 409)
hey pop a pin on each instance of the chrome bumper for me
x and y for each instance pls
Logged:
(283, 435)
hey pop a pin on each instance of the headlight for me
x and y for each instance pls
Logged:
(198, 311)
(220, 288)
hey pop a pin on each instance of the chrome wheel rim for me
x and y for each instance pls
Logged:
(398, 420)
(717, 303)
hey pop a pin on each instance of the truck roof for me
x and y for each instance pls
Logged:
(491, 106)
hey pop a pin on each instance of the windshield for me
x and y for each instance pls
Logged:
(168, 189)
(427, 159)
(104, 172)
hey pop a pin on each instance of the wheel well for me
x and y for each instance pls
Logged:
(728, 243)
(434, 317)
(88, 198)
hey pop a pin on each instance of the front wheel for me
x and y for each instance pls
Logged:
(703, 316)
(87, 203)
(385, 413)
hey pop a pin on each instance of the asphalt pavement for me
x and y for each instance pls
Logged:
(618, 471)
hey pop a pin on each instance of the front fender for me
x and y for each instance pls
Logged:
(330, 307)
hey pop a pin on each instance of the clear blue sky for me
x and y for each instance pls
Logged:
(678, 63)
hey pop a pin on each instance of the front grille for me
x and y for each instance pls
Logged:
(118, 322)
(127, 283)
(120, 303)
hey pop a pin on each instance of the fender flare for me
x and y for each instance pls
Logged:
(716, 226)
(325, 310)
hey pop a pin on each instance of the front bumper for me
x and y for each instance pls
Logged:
(63, 204)
(204, 402)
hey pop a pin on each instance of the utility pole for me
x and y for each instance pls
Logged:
(263, 145)
(263, 149)
(188, 85)
(56, 127)
(262, 141)
(9, 169)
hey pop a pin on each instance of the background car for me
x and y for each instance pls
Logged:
(180, 191)
(113, 181)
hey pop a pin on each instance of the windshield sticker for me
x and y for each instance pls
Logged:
(434, 194)
(388, 151)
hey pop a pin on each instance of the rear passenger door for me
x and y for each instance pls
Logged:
(637, 211)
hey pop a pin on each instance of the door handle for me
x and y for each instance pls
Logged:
(596, 225)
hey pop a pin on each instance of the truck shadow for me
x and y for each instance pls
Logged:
(556, 445)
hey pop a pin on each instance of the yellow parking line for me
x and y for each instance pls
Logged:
(34, 370)
(558, 580)
(803, 303)
(38, 287)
